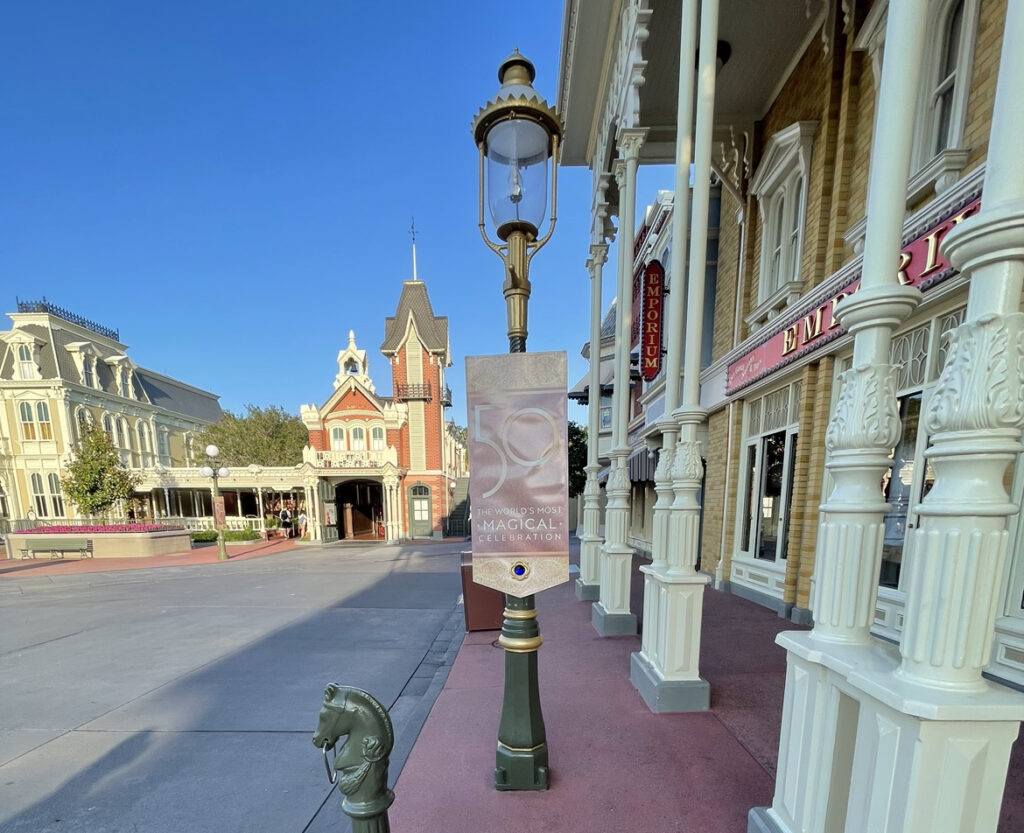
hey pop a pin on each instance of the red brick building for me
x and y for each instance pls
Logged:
(389, 466)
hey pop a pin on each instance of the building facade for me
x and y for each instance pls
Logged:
(835, 422)
(390, 466)
(59, 371)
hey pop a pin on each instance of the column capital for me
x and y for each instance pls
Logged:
(598, 257)
(690, 415)
(619, 172)
(993, 236)
(629, 142)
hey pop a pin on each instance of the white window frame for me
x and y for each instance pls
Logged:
(357, 437)
(39, 495)
(338, 439)
(28, 368)
(56, 495)
(44, 424)
(780, 186)
(754, 442)
(27, 419)
(378, 438)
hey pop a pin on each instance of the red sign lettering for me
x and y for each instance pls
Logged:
(920, 264)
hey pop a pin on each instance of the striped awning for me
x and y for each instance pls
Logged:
(641, 465)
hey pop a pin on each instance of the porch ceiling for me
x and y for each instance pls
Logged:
(765, 40)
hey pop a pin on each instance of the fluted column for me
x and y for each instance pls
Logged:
(866, 425)
(611, 615)
(588, 585)
(666, 669)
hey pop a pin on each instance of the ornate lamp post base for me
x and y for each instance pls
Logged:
(522, 756)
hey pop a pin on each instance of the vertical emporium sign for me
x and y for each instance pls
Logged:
(518, 462)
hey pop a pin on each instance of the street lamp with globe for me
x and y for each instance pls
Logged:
(215, 471)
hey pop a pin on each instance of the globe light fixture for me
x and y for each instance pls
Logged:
(215, 471)
(518, 137)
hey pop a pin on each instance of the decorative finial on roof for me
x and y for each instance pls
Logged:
(412, 232)
(351, 338)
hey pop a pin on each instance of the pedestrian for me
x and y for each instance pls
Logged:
(302, 523)
(286, 522)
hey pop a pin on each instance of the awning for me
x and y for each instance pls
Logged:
(641, 465)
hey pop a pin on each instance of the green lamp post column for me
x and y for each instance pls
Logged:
(213, 471)
(517, 134)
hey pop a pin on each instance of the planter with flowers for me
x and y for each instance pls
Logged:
(131, 540)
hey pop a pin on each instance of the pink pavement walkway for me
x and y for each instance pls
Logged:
(615, 766)
(31, 567)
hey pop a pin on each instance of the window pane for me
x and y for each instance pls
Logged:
(751, 499)
(896, 489)
(773, 456)
(783, 549)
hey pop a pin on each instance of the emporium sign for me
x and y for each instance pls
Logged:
(518, 454)
(920, 264)
(652, 320)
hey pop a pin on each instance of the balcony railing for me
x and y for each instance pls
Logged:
(404, 393)
(446, 397)
(353, 459)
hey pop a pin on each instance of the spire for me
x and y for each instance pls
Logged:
(412, 232)
(352, 339)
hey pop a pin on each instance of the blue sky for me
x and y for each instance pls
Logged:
(230, 183)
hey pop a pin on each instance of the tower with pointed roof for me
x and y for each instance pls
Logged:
(389, 467)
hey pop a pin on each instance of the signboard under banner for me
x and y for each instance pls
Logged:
(517, 412)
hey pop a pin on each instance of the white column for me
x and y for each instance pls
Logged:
(863, 746)
(665, 671)
(610, 615)
(588, 585)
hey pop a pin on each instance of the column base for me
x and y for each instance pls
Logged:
(760, 820)
(612, 624)
(665, 696)
(587, 592)
(521, 769)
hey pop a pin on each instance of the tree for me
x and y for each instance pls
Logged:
(265, 436)
(96, 479)
(577, 458)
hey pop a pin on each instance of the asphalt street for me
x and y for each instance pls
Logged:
(185, 698)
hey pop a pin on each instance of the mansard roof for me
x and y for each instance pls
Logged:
(432, 329)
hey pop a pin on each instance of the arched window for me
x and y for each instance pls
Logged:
(163, 447)
(28, 424)
(82, 421)
(419, 491)
(38, 495)
(358, 439)
(43, 417)
(145, 443)
(56, 498)
(122, 434)
(352, 367)
(337, 439)
(377, 438)
(5, 511)
(26, 365)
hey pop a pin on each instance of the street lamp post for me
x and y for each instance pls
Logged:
(213, 471)
(517, 134)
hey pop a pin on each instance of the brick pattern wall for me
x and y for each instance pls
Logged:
(722, 340)
(721, 491)
(983, 80)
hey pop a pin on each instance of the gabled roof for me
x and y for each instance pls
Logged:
(432, 329)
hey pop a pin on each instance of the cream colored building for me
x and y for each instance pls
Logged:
(59, 370)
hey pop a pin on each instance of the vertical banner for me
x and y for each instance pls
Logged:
(219, 515)
(650, 340)
(519, 470)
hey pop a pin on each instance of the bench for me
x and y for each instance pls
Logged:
(58, 546)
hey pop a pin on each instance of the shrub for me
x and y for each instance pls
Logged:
(241, 535)
(204, 535)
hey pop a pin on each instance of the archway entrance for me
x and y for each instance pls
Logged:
(367, 501)
(421, 521)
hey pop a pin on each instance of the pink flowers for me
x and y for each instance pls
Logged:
(96, 530)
